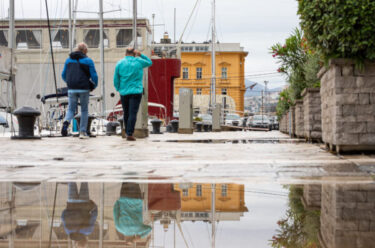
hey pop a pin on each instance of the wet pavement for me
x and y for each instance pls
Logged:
(229, 189)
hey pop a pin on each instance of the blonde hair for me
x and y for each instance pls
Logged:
(81, 47)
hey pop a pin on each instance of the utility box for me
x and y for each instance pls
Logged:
(186, 111)
(141, 126)
(216, 118)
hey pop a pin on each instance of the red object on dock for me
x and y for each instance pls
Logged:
(161, 77)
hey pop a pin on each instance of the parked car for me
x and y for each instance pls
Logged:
(274, 124)
(232, 120)
(258, 121)
(206, 118)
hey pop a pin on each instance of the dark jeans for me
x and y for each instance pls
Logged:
(130, 106)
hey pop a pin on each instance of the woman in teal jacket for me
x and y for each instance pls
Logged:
(128, 81)
(128, 213)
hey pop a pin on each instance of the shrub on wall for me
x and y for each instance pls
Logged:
(339, 28)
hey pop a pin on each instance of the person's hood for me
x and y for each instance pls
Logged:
(77, 55)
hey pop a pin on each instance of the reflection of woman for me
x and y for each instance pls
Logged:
(80, 214)
(128, 215)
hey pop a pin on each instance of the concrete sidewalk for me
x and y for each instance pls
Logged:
(209, 157)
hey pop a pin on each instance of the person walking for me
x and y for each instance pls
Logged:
(80, 214)
(80, 75)
(128, 81)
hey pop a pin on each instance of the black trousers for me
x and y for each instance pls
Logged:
(130, 106)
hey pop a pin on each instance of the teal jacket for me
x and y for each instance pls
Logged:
(128, 78)
(128, 217)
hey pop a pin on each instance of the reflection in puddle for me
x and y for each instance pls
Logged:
(239, 141)
(186, 215)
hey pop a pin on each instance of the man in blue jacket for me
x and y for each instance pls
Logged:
(80, 75)
(128, 81)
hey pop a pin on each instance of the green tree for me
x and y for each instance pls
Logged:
(340, 28)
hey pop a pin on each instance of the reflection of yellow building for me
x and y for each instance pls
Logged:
(196, 72)
(229, 198)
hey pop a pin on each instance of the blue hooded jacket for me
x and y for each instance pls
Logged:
(128, 77)
(76, 76)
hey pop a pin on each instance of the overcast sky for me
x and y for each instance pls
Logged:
(255, 24)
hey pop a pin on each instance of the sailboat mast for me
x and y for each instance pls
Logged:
(11, 45)
(213, 59)
(135, 24)
(70, 26)
(101, 37)
(213, 212)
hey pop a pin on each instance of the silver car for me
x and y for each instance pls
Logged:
(260, 121)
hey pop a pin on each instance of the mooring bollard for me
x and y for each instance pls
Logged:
(123, 131)
(26, 117)
(244, 121)
(156, 123)
(90, 119)
(111, 128)
(199, 125)
(174, 124)
(206, 127)
(169, 128)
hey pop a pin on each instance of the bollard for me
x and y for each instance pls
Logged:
(111, 128)
(156, 123)
(199, 126)
(174, 124)
(169, 128)
(90, 119)
(244, 121)
(26, 117)
(123, 131)
(206, 127)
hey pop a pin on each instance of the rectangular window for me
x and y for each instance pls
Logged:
(199, 72)
(91, 38)
(28, 39)
(3, 38)
(199, 190)
(185, 192)
(185, 73)
(224, 190)
(224, 72)
(224, 91)
(199, 91)
(60, 38)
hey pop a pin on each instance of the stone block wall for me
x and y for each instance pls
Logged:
(312, 112)
(299, 119)
(283, 124)
(348, 106)
(312, 196)
(347, 216)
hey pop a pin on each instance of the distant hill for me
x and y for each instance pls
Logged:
(257, 90)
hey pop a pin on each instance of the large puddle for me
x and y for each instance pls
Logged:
(197, 215)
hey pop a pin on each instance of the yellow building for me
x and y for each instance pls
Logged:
(196, 201)
(196, 73)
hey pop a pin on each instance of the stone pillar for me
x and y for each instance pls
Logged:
(292, 122)
(312, 112)
(283, 123)
(312, 195)
(299, 125)
(348, 106)
(216, 118)
(141, 126)
(185, 111)
(347, 217)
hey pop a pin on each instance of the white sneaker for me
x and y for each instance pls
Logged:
(83, 136)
